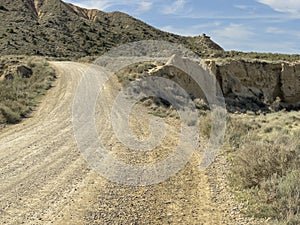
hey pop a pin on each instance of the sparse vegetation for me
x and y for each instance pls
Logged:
(264, 151)
(63, 33)
(265, 168)
(18, 96)
(257, 56)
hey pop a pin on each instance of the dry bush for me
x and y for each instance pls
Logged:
(258, 160)
(236, 131)
(205, 124)
(18, 96)
(266, 172)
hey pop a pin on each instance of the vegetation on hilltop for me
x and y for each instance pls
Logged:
(257, 56)
(57, 29)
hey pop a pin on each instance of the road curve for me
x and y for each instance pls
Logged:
(45, 180)
(39, 162)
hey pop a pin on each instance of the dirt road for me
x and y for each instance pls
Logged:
(45, 180)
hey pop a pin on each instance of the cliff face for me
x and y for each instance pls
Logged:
(290, 78)
(246, 85)
(259, 80)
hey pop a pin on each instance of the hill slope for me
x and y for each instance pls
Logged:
(55, 28)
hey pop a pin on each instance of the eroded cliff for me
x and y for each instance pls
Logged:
(267, 82)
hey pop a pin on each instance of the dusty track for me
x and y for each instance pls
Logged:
(39, 162)
(44, 179)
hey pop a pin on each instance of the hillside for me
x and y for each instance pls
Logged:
(58, 29)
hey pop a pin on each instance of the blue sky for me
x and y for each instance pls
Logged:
(245, 25)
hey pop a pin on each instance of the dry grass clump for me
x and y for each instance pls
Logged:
(258, 160)
(18, 96)
(266, 166)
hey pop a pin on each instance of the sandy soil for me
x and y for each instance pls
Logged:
(45, 180)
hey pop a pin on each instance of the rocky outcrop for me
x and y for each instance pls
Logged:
(2, 8)
(263, 81)
(24, 71)
(37, 5)
(90, 14)
(204, 40)
(21, 70)
(290, 82)
(246, 85)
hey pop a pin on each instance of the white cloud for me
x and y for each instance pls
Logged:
(241, 37)
(94, 4)
(218, 16)
(233, 36)
(286, 6)
(280, 46)
(234, 32)
(141, 6)
(180, 31)
(174, 8)
(275, 30)
(282, 31)
(192, 30)
(243, 7)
